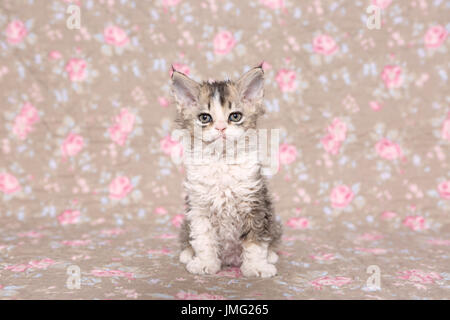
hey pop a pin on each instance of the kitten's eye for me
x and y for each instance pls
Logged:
(235, 116)
(204, 118)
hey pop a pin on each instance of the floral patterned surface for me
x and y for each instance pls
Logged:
(86, 177)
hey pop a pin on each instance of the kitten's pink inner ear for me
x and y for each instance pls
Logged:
(251, 85)
(184, 89)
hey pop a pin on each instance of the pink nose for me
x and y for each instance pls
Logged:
(220, 126)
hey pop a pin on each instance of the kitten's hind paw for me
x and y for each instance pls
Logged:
(186, 255)
(263, 270)
(200, 266)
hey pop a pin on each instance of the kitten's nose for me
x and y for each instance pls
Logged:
(221, 126)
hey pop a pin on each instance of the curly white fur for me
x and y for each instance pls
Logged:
(224, 188)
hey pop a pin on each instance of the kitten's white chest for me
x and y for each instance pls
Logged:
(226, 192)
(221, 180)
(224, 176)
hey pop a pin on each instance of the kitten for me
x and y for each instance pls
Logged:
(229, 216)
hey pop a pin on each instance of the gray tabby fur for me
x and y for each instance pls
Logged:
(227, 223)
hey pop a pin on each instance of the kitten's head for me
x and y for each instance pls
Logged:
(220, 109)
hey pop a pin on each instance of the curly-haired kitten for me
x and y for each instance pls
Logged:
(229, 216)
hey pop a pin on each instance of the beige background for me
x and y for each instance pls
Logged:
(126, 248)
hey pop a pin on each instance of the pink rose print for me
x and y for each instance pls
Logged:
(55, 55)
(341, 196)
(388, 215)
(115, 36)
(331, 144)
(330, 281)
(323, 257)
(376, 106)
(41, 264)
(444, 189)
(445, 133)
(435, 37)
(192, 296)
(125, 120)
(298, 223)
(171, 147)
(112, 273)
(338, 129)
(388, 149)
(416, 223)
(324, 44)
(117, 135)
(34, 264)
(159, 251)
(180, 67)
(266, 66)
(337, 133)
(439, 242)
(372, 250)
(160, 211)
(224, 42)
(72, 145)
(165, 236)
(31, 234)
(17, 267)
(120, 187)
(8, 183)
(163, 102)
(29, 113)
(382, 4)
(23, 123)
(91, 171)
(419, 276)
(76, 69)
(178, 220)
(370, 236)
(287, 153)
(123, 126)
(233, 272)
(21, 127)
(273, 4)
(15, 32)
(113, 232)
(69, 217)
(76, 243)
(286, 80)
(171, 3)
(392, 76)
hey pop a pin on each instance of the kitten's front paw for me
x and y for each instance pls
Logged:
(200, 266)
(272, 257)
(186, 255)
(262, 269)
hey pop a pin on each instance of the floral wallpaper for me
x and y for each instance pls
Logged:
(91, 203)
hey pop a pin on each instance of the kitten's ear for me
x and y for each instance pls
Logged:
(184, 89)
(251, 85)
